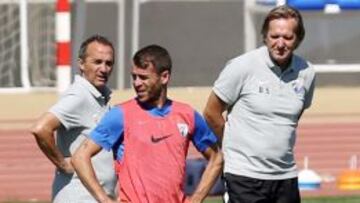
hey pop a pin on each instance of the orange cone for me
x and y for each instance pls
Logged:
(350, 179)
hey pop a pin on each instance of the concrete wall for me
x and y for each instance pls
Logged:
(202, 36)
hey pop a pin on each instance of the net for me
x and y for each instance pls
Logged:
(9, 45)
(40, 44)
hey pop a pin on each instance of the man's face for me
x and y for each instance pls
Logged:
(150, 87)
(98, 64)
(281, 40)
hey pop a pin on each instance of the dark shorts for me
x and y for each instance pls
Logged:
(242, 189)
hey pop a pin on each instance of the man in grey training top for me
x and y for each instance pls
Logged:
(264, 92)
(72, 117)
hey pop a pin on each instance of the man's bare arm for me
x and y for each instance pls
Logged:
(210, 175)
(81, 161)
(213, 114)
(44, 132)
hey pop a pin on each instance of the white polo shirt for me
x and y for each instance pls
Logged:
(264, 107)
(79, 109)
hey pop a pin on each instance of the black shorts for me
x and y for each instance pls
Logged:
(242, 189)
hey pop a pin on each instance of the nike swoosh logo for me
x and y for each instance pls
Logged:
(158, 139)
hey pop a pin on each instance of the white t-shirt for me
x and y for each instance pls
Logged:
(264, 107)
(79, 109)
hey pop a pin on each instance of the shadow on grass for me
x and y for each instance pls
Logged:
(347, 199)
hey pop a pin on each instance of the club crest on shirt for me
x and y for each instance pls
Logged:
(298, 86)
(183, 129)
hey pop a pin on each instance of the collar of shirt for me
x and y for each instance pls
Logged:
(95, 92)
(161, 112)
(270, 64)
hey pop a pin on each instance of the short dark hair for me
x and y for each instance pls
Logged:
(94, 38)
(286, 12)
(154, 54)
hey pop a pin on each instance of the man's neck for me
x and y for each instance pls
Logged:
(153, 104)
(162, 99)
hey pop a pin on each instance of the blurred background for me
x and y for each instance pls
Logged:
(201, 36)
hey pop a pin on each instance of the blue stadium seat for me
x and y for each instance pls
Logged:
(320, 4)
(194, 171)
(307, 4)
(349, 4)
(266, 2)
